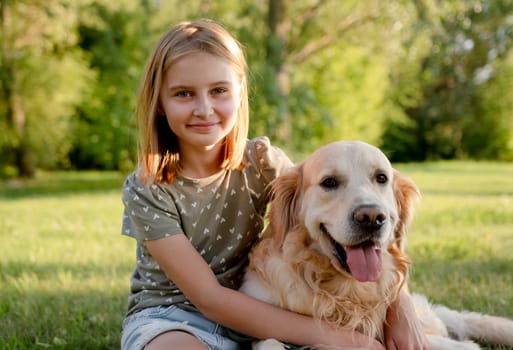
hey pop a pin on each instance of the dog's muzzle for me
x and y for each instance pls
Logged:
(363, 258)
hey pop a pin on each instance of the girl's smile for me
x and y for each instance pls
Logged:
(202, 127)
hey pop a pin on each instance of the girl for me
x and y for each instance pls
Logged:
(196, 203)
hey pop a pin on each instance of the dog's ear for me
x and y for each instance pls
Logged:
(406, 193)
(283, 212)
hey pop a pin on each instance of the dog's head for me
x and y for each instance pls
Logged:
(353, 205)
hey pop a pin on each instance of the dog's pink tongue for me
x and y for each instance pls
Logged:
(364, 262)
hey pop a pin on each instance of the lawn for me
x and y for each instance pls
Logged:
(65, 267)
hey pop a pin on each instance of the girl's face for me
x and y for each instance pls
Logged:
(200, 97)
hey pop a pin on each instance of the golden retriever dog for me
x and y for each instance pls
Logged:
(334, 249)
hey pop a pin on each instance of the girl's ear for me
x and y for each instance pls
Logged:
(284, 205)
(160, 110)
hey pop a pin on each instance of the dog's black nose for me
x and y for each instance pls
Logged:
(369, 217)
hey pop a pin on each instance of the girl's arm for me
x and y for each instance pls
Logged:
(403, 329)
(192, 275)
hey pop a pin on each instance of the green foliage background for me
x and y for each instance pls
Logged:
(422, 79)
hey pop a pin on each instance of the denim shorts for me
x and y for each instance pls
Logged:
(140, 328)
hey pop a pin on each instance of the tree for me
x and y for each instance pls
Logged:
(117, 37)
(43, 78)
(459, 44)
(304, 45)
(490, 134)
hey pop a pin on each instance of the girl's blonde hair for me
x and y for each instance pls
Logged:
(159, 153)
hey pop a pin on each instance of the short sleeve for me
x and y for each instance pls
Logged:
(264, 164)
(149, 211)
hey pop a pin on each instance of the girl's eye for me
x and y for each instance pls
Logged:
(329, 183)
(219, 90)
(183, 94)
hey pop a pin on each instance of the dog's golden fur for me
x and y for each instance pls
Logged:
(307, 280)
(296, 265)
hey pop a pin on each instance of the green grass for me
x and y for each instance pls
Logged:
(462, 236)
(65, 267)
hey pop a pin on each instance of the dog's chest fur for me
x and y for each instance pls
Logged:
(301, 280)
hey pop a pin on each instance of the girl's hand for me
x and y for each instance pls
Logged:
(348, 340)
(373, 345)
(403, 330)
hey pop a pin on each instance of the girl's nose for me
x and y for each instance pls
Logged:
(203, 107)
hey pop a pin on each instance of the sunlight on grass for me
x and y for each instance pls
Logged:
(462, 235)
(65, 267)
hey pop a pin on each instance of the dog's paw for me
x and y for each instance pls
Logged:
(268, 344)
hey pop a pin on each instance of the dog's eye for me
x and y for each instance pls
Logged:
(381, 178)
(330, 183)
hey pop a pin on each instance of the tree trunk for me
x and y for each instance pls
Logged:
(277, 61)
(14, 112)
(25, 160)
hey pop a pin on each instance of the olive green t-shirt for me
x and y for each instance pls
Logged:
(221, 215)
